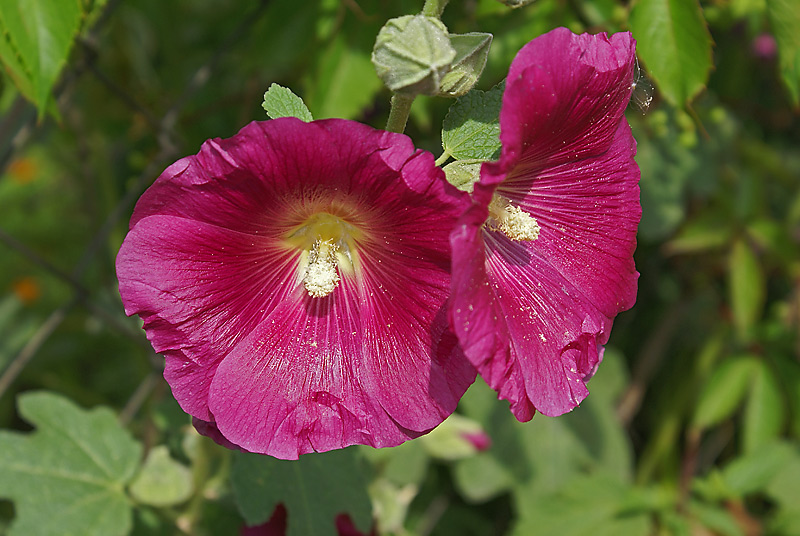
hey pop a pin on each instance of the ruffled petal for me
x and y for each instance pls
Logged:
(564, 97)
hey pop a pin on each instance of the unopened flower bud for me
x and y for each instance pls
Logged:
(412, 54)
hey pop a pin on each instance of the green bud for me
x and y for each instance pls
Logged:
(412, 54)
(515, 3)
(472, 49)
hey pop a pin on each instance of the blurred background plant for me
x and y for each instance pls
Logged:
(693, 424)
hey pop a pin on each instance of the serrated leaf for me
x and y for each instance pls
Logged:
(314, 490)
(785, 18)
(162, 481)
(746, 286)
(724, 391)
(37, 39)
(280, 101)
(68, 476)
(471, 128)
(674, 43)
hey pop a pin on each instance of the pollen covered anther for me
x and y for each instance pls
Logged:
(514, 222)
(321, 277)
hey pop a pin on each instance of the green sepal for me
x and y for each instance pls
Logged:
(472, 50)
(412, 54)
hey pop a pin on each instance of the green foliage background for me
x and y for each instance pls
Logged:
(693, 424)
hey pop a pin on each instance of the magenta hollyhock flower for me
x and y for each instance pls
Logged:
(543, 259)
(295, 278)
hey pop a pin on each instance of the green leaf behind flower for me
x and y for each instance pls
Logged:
(68, 476)
(471, 129)
(674, 43)
(314, 489)
(280, 101)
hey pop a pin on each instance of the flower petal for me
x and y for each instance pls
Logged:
(564, 97)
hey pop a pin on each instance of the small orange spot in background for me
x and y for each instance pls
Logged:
(27, 290)
(22, 170)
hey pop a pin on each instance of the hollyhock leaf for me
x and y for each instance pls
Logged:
(463, 174)
(68, 475)
(675, 45)
(472, 49)
(785, 19)
(267, 354)
(533, 302)
(161, 481)
(314, 489)
(471, 128)
(280, 101)
(37, 38)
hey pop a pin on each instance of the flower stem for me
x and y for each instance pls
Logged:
(398, 115)
(445, 156)
(434, 8)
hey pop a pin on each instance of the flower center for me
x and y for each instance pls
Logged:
(512, 220)
(328, 245)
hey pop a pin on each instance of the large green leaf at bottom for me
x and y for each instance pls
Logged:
(37, 38)
(675, 45)
(68, 476)
(314, 489)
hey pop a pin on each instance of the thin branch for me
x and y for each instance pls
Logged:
(34, 343)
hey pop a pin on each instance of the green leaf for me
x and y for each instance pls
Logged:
(67, 477)
(471, 128)
(754, 472)
(764, 411)
(37, 38)
(463, 174)
(314, 490)
(674, 43)
(588, 506)
(724, 391)
(785, 18)
(746, 286)
(279, 101)
(162, 481)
